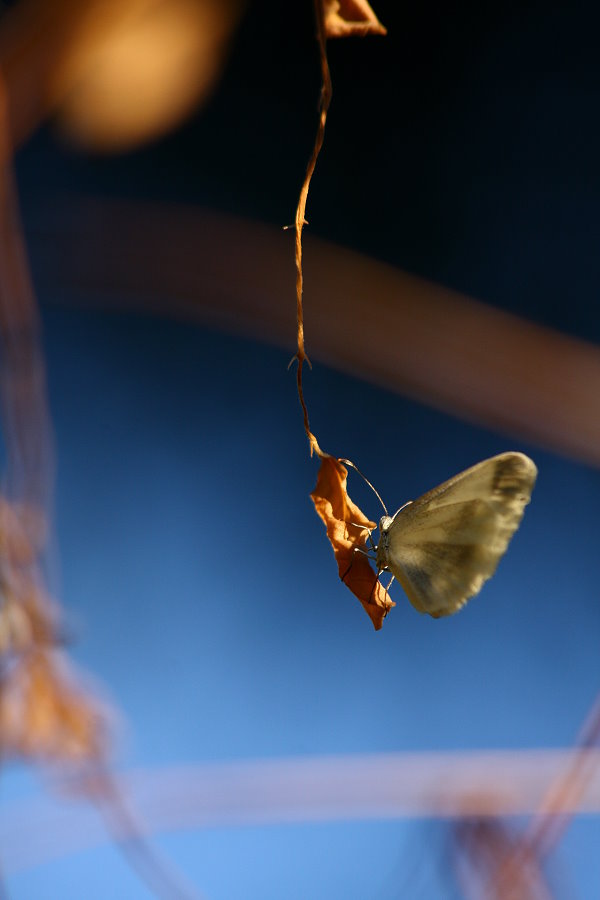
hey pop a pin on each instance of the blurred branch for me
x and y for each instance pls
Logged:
(129, 833)
(366, 318)
(45, 715)
(514, 860)
(338, 788)
(483, 845)
(27, 428)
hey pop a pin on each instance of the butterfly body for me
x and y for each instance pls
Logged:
(445, 545)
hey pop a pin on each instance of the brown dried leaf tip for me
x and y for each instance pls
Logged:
(347, 529)
(350, 17)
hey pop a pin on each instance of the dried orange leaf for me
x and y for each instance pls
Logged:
(348, 17)
(347, 529)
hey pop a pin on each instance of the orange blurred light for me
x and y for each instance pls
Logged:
(134, 69)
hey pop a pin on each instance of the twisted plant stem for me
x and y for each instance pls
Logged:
(326, 92)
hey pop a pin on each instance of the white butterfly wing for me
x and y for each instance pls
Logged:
(446, 544)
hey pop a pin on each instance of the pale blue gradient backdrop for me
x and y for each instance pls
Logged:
(204, 596)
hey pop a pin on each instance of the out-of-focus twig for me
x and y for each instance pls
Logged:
(495, 860)
(45, 714)
(367, 318)
(130, 835)
(27, 432)
(553, 816)
(562, 797)
(468, 785)
(479, 845)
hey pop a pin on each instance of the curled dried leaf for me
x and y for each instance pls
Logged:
(350, 17)
(347, 529)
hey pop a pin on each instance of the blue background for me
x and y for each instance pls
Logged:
(194, 572)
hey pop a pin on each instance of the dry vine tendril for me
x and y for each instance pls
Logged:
(347, 527)
(446, 544)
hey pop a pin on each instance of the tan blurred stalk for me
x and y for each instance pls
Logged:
(361, 316)
(313, 789)
(521, 858)
(27, 431)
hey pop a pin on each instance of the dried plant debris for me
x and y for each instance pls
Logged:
(344, 18)
(44, 716)
(348, 529)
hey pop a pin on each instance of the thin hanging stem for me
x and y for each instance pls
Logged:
(326, 92)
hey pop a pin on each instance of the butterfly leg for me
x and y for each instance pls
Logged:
(372, 544)
(369, 540)
(377, 581)
(362, 528)
(366, 553)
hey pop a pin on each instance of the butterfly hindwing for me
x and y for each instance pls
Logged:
(445, 545)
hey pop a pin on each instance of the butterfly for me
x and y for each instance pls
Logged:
(445, 545)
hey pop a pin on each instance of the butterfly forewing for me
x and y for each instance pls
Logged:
(442, 547)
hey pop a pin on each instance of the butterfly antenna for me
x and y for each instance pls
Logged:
(347, 462)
